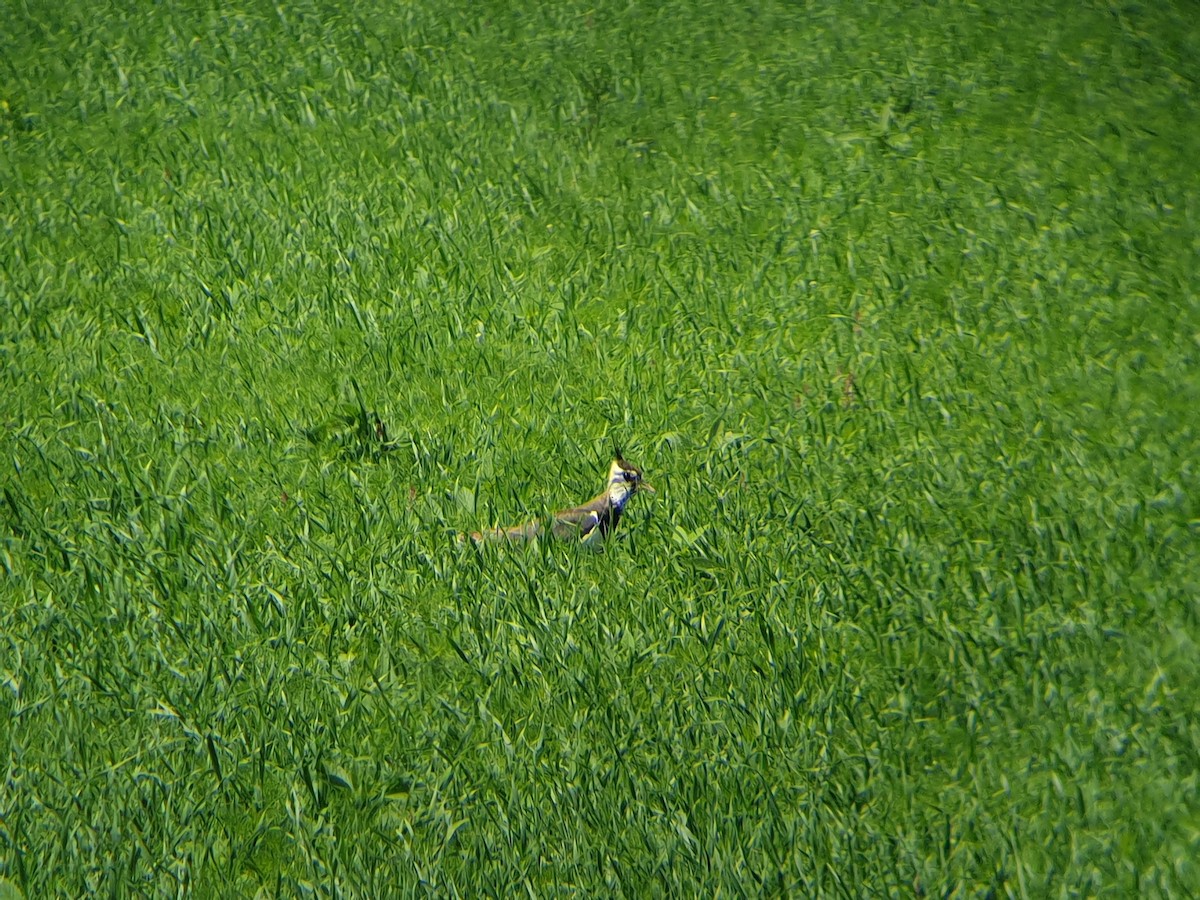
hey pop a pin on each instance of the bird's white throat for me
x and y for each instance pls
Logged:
(622, 482)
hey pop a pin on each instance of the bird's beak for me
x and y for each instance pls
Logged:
(647, 486)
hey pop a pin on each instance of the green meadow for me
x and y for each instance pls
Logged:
(897, 306)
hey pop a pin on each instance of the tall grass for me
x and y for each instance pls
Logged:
(896, 305)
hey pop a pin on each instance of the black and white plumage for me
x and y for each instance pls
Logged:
(590, 522)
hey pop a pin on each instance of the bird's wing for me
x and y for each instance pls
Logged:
(513, 535)
(577, 523)
(582, 521)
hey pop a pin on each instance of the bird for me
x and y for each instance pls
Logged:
(589, 523)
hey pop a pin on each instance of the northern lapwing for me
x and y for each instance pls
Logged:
(590, 522)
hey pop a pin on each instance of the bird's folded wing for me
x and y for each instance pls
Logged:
(576, 523)
(514, 535)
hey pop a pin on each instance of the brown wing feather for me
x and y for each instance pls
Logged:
(513, 535)
(575, 523)
(581, 521)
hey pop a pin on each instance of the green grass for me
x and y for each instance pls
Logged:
(897, 306)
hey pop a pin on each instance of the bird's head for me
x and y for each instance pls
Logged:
(625, 480)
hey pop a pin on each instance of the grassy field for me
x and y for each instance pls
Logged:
(898, 306)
